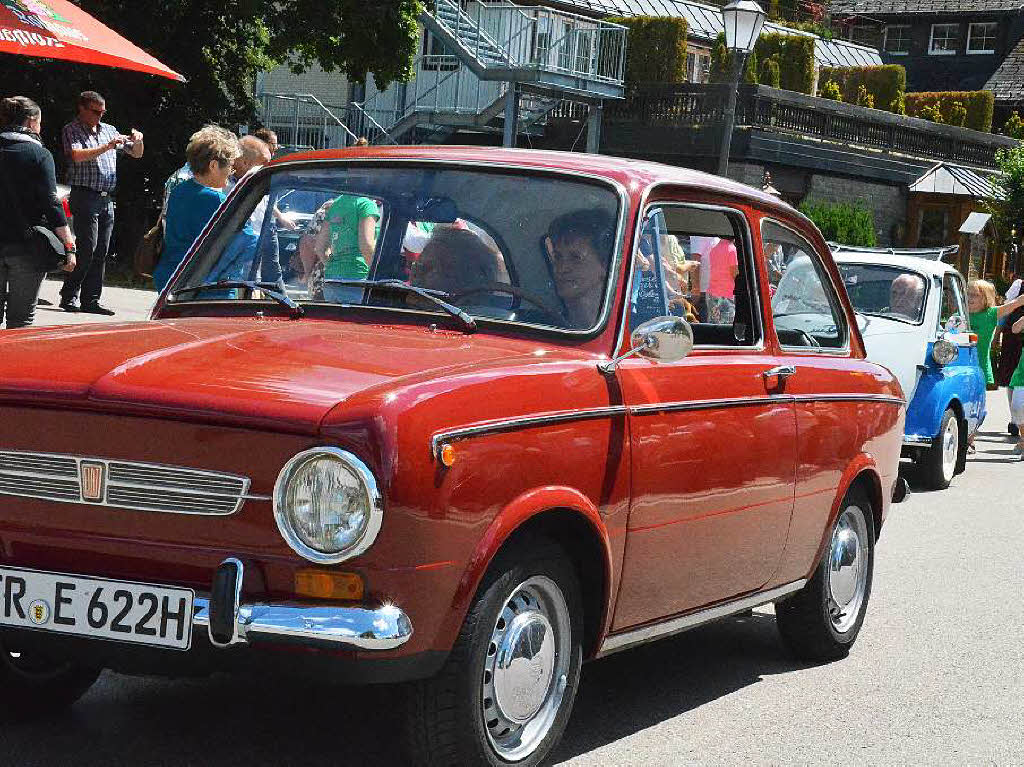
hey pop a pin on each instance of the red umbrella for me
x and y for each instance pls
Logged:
(58, 29)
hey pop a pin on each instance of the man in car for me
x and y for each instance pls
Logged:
(579, 244)
(905, 296)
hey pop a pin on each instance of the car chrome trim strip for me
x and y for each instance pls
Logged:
(527, 422)
(524, 422)
(124, 484)
(616, 642)
(364, 628)
(917, 440)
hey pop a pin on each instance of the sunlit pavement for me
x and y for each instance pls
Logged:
(937, 676)
(128, 303)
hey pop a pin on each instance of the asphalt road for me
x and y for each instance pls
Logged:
(937, 676)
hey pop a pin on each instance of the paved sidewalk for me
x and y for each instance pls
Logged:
(129, 303)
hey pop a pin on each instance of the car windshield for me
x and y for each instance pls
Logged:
(501, 246)
(885, 291)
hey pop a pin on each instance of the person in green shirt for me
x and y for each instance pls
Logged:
(351, 241)
(985, 316)
(1017, 399)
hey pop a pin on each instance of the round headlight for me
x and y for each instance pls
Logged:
(943, 352)
(327, 505)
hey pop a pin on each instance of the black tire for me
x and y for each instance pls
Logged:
(936, 472)
(34, 686)
(810, 622)
(445, 716)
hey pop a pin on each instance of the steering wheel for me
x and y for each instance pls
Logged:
(512, 290)
(812, 341)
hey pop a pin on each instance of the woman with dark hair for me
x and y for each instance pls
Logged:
(579, 245)
(28, 198)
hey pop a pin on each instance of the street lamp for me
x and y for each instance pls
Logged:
(743, 20)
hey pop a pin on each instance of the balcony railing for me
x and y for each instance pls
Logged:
(787, 112)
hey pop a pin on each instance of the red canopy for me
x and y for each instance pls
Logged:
(58, 29)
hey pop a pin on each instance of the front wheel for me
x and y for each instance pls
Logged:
(505, 694)
(940, 462)
(34, 685)
(821, 621)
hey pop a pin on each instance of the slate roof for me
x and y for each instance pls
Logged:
(705, 23)
(1007, 82)
(901, 7)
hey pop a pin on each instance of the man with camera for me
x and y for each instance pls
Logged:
(90, 149)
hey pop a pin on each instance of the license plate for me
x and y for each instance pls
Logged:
(94, 607)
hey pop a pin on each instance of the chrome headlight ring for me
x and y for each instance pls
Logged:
(369, 492)
(943, 351)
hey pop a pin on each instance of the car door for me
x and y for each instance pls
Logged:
(713, 445)
(969, 385)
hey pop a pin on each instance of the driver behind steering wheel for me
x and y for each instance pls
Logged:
(457, 262)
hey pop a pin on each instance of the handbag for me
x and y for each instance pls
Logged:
(150, 248)
(47, 250)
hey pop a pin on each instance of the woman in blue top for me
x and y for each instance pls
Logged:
(211, 153)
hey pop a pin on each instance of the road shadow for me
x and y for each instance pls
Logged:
(235, 719)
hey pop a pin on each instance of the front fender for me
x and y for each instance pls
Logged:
(960, 381)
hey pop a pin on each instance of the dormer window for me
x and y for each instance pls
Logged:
(897, 39)
(981, 37)
(944, 39)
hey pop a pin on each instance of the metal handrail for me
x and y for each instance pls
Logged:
(377, 125)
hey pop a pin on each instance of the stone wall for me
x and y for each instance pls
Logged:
(888, 201)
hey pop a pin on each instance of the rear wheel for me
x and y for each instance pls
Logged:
(34, 685)
(505, 694)
(940, 462)
(821, 621)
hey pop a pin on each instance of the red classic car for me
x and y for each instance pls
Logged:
(514, 410)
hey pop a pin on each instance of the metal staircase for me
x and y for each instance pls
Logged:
(503, 69)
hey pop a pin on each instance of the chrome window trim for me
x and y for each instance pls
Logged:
(109, 483)
(504, 425)
(375, 502)
(901, 269)
(632, 637)
(613, 266)
(837, 304)
(642, 211)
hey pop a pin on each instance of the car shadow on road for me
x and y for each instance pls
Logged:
(236, 719)
(625, 693)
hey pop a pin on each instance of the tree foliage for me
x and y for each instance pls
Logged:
(220, 47)
(845, 223)
(1007, 206)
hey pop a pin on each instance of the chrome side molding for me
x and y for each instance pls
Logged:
(649, 633)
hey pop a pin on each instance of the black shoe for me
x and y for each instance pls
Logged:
(1012, 429)
(97, 309)
(70, 305)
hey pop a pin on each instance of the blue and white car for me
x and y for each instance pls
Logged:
(912, 312)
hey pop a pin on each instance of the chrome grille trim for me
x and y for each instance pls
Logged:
(129, 484)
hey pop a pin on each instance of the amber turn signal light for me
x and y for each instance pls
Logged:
(447, 454)
(321, 584)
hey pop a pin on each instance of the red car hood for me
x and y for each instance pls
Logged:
(285, 374)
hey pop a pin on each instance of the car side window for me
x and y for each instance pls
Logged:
(805, 306)
(952, 302)
(695, 263)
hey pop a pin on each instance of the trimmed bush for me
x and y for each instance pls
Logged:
(865, 99)
(831, 91)
(947, 105)
(656, 49)
(842, 222)
(1014, 126)
(794, 55)
(884, 84)
(770, 72)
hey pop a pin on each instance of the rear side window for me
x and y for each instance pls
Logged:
(805, 306)
(695, 263)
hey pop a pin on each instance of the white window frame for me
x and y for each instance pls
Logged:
(970, 35)
(885, 40)
(932, 50)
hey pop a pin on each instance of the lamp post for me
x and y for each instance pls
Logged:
(743, 21)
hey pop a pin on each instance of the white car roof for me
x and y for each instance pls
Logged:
(910, 263)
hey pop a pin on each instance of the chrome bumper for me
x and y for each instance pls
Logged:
(917, 440)
(362, 628)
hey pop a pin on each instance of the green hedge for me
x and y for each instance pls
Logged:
(792, 55)
(656, 49)
(886, 84)
(845, 223)
(967, 109)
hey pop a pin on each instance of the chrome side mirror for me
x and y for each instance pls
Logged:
(665, 339)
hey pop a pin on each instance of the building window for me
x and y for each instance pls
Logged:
(897, 40)
(698, 65)
(981, 38)
(944, 39)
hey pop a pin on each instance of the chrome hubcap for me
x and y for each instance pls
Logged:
(950, 448)
(526, 668)
(848, 568)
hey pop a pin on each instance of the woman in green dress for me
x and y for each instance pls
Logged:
(985, 317)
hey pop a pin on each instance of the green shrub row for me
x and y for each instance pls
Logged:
(883, 86)
(842, 222)
(781, 61)
(656, 52)
(966, 109)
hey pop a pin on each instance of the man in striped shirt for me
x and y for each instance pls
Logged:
(90, 149)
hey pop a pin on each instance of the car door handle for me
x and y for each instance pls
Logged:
(782, 372)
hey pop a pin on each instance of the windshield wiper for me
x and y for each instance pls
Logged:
(269, 289)
(434, 296)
